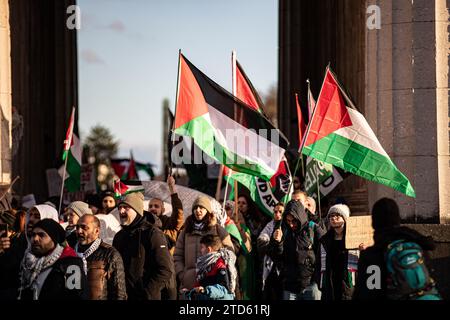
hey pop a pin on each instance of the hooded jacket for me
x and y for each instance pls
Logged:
(375, 256)
(146, 258)
(187, 249)
(293, 253)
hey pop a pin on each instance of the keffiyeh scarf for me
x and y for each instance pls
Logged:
(84, 255)
(207, 261)
(31, 267)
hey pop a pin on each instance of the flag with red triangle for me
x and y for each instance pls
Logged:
(340, 135)
(72, 154)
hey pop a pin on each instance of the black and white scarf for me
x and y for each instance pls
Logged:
(206, 262)
(32, 268)
(84, 255)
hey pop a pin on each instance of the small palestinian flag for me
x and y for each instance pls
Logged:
(206, 112)
(340, 135)
(122, 188)
(72, 154)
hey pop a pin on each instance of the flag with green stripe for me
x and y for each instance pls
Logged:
(340, 135)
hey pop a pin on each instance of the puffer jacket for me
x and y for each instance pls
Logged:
(146, 258)
(171, 226)
(187, 250)
(106, 275)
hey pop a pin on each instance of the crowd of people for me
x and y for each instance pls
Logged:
(109, 249)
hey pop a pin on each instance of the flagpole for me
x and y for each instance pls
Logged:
(301, 155)
(62, 186)
(175, 114)
(234, 91)
(308, 127)
(226, 189)
(219, 183)
(318, 194)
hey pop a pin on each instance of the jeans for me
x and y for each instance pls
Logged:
(311, 292)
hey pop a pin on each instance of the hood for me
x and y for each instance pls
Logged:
(297, 210)
(386, 236)
(153, 219)
(46, 211)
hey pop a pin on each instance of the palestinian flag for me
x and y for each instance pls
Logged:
(122, 167)
(245, 90)
(122, 188)
(72, 154)
(206, 112)
(301, 122)
(265, 194)
(340, 135)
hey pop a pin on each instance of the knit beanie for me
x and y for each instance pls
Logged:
(80, 208)
(340, 209)
(203, 202)
(53, 229)
(136, 201)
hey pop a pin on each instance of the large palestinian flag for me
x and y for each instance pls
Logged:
(340, 135)
(206, 112)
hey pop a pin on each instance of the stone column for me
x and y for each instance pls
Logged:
(443, 107)
(405, 98)
(5, 96)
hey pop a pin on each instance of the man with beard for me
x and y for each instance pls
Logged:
(103, 263)
(49, 270)
(147, 261)
(171, 226)
(108, 202)
(12, 252)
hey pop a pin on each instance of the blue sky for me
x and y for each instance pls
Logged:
(128, 56)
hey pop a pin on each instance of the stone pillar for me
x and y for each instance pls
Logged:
(5, 96)
(406, 95)
(443, 106)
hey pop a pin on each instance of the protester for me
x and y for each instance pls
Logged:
(74, 212)
(19, 223)
(50, 270)
(13, 250)
(293, 247)
(255, 222)
(241, 238)
(299, 195)
(171, 226)
(338, 265)
(109, 225)
(201, 222)
(108, 202)
(102, 262)
(271, 280)
(146, 258)
(216, 273)
(400, 255)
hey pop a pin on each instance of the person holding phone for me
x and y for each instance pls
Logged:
(271, 284)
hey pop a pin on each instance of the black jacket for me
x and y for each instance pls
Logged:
(10, 261)
(66, 281)
(328, 289)
(148, 264)
(375, 256)
(106, 275)
(296, 258)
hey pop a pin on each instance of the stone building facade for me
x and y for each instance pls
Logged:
(38, 87)
(397, 76)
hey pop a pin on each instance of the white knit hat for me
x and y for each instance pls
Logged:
(340, 209)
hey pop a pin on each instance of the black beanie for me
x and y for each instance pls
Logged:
(53, 229)
(385, 214)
